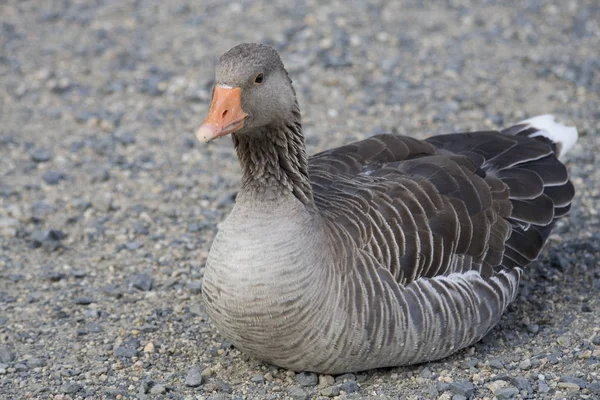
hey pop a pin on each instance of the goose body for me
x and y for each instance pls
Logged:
(384, 252)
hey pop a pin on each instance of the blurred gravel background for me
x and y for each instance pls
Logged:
(108, 205)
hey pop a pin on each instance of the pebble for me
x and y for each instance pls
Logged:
(506, 393)
(307, 379)
(349, 386)
(496, 363)
(102, 202)
(84, 300)
(52, 177)
(195, 287)
(463, 388)
(142, 282)
(41, 155)
(49, 239)
(149, 348)
(194, 377)
(70, 388)
(568, 385)
(258, 378)
(297, 393)
(330, 391)
(158, 389)
(525, 365)
(6, 355)
(8, 226)
(345, 377)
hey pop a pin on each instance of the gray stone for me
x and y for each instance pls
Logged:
(35, 362)
(194, 377)
(41, 155)
(70, 388)
(307, 379)
(126, 351)
(142, 282)
(506, 393)
(102, 202)
(349, 386)
(571, 379)
(6, 355)
(258, 378)
(297, 393)
(521, 383)
(330, 391)
(100, 175)
(496, 363)
(195, 287)
(158, 389)
(8, 226)
(83, 300)
(52, 177)
(345, 377)
(543, 387)
(464, 388)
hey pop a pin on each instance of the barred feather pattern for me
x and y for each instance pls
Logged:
(405, 251)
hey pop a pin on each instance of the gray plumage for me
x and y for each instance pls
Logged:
(384, 252)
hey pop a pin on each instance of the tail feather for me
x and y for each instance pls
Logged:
(544, 126)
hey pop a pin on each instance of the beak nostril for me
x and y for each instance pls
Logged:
(224, 114)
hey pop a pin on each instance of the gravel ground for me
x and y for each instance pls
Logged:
(108, 205)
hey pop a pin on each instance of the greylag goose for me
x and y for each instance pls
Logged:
(384, 252)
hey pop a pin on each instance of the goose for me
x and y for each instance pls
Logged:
(385, 252)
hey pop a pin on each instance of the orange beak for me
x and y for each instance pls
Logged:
(225, 115)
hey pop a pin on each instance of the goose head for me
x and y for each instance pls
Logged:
(252, 90)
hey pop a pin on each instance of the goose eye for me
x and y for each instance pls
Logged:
(259, 78)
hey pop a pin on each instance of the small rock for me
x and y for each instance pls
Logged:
(41, 155)
(594, 387)
(506, 393)
(35, 363)
(224, 387)
(596, 340)
(8, 227)
(195, 287)
(521, 383)
(258, 378)
(463, 388)
(6, 355)
(126, 351)
(49, 239)
(568, 385)
(52, 177)
(70, 388)
(84, 300)
(142, 282)
(330, 391)
(100, 175)
(194, 377)
(533, 328)
(345, 377)
(158, 389)
(149, 348)
(349, 386)
(525, 365)
(297, 393)
(307, 379)
(570, 379)
(102, 202)
(543, 387)
(326, 380)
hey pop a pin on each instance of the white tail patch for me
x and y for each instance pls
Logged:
(564, 136)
